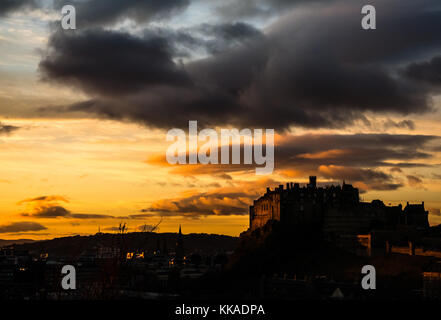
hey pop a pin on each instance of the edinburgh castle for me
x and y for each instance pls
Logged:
(336, 210)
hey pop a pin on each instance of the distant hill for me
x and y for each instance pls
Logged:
(74, 246)
(17, 241)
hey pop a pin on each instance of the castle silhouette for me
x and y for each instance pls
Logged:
(334, 209)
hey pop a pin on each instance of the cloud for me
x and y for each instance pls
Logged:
(141, 62)
(54, 211)
(9, 6)
(90, 216)
(415, 182)
(49, 212)
(278, 79)
(224, 201)
(95, 13)
(49, 207)
(7, 129)
(435, 211)
(429, 71)
(404, 124)
(203, 204)
(368, 150)
(44, 199)
(224, 36)
(108, 12)
(23, 226)
(365, 179)
(233, 9)
(356, 158)
(89, 60)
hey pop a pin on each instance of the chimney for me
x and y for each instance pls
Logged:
(268, 190)
(287, 187)
(281, 187)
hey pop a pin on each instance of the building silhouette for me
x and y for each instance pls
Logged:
(179, 250)
(334, 209)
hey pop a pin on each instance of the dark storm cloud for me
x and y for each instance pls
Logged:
(111, 63)
(8, 6)
(312, 68)
(226, 36)
(107, 12)
(23, 226)
(204, 38)
(233, 31)
(429, 71)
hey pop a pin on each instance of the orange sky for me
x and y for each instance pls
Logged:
(101, 167)
(70, 174)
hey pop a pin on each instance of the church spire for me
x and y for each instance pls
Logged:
(180, 247)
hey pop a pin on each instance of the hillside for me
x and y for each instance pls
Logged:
(74, 246)
(16, 241)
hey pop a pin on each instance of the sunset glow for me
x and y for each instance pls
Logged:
(84, 151)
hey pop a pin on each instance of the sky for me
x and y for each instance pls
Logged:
(84, 113)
